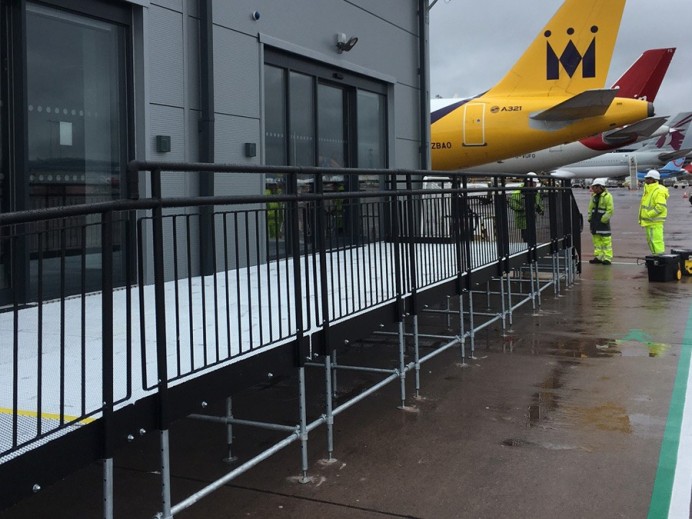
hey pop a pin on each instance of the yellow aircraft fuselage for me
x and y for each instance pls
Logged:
(552, 95)
(487, 129)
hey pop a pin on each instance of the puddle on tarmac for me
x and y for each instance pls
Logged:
(581, 348)
(515, 442)
(606, 417)
(545, 401)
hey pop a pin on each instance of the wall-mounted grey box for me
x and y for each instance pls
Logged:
(163, 143)
(250, 149)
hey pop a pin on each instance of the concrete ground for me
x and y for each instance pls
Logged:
(562, 416)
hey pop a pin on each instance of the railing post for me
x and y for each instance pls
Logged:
(321, 243)
(107, 358)
(161, 349)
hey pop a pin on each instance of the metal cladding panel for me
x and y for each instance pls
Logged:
(165, 37)
(231, 135)
(402, 13)
(407, 104)
(174, 5)
(236, 73)
(192, 139)
(167, 120)
(193, 63)
(387, 37)
(406, 154)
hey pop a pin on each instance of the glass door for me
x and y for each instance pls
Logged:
(4, 156)
(76, 116)
(332, 153)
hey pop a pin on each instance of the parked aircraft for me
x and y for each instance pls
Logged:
(553, 94)
(641, 81)
(674, 168)
(675, 144)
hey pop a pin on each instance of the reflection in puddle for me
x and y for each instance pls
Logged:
(582, 348)
(570, 350)
(606, 417)
(546, 401)
(585, 348)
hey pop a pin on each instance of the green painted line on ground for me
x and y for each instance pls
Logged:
(665, 474)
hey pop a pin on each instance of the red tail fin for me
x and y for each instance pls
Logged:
(643, 79)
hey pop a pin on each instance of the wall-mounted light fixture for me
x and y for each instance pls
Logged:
(250, 149)
(163, 143)
(344, 44)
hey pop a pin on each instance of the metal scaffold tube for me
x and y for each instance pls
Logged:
(229, 431)
(303, 426)
(472, 330)
(402, 365)
(329, 419)
(165, 475)
(462, 332)
(108, 488)
(416, 354)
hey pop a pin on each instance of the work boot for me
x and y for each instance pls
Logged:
(606, 262)
(595, 260)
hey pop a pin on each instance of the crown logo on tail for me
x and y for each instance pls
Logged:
(571, 58)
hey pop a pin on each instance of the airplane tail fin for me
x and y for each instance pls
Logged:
(643, 79)
(674, 166)
(679, 126)
(571, 54)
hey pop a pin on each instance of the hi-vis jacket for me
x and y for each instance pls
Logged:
(517, 202)
(654, 206)
(600, 212)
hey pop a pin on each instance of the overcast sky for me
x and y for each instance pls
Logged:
(473, 43)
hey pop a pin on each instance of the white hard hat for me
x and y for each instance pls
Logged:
(531, 174)
(599, 182)
(652, 173)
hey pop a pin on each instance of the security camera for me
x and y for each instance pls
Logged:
(255, 15)
(344, 45)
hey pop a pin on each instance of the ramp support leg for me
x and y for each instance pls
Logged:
(229, 431)
(165, 475)
(303, 426)
(402, 365)
(329, 408)
(462, 330)
(107, 488)
(416, 352)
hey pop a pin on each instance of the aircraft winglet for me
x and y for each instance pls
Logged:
(631, 132)
(591, 103)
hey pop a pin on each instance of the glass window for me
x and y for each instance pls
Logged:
(372, 130)
(302, 119)
(332, 142)
(76, 116)
(76, 108)
(275, 116)
(330, 124)
(4, 167)
(372, 136)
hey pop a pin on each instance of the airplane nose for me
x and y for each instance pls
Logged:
(651, 109)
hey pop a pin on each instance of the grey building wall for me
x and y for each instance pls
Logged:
(387, 51)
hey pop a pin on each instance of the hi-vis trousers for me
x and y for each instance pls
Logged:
(602, 247)
(654, 237)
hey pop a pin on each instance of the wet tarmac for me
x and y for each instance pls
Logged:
(566, 415)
